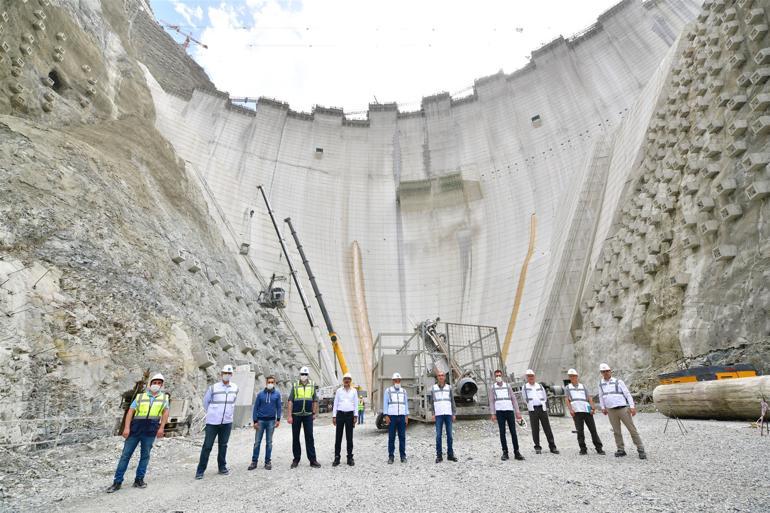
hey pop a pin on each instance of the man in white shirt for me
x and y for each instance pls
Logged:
(616, 402)
(537, 404)
(581, 408)
(219, 403)
(444, 413)
(344, 417)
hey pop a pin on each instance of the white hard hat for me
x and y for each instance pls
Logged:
(530, 372)
(347, 376)
(572, 372)
(396, 375)
(604, 367)
(304, 370)
(228, 368)
(158, 376)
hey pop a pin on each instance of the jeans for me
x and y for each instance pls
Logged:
(360, 416)
(503, 418)
(397, 425)
(344, 422)
(129, 446)
(222, 433)
(265, 427)
(580, 419)
(540, 416)
(441, 421)
(299, 422)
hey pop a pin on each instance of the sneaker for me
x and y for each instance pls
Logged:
(583, 452)
(554, 451)
(351, 462)
(517, 455)
(439, 459)
(315, 464)
(504, 457)
(294, 463)
(390, 460)
(336, 462)
(225, 471)
(620, 453)
(199, 476)
(403, 460)
(600, 451)
(268, 465)
(114, 487)
(642, 455)
(252, 466)
(139, 483)
(451, 457)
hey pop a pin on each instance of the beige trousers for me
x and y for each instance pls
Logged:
(624, 415)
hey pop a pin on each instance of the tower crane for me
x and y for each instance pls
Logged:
(187, 37)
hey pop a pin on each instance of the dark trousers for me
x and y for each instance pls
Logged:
(397, 425)
(503, 418)
(300, 422)
(222, 433)
(129, 446)
(581, 418)
(540, 416)
(344, 422)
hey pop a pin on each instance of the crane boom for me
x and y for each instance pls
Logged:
(187, 37)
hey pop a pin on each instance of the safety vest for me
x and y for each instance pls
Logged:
(442, 400)
(503, 399)
(539, 390)
(149, 407)
(302, 400)
(222, 405)
(360, 405)
(396, 401)
(578, 397)
(612, 387)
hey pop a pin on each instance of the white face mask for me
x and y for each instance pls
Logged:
(270, 386)
(397, 385)
(154, 389)
(499, 379)
(226, 377)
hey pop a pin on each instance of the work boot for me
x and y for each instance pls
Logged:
(642, 455)
(439, 458)
(294, 463)
(225, 471)
(517, 456)
(351, 462)
(403, 459)
(390, 460)
(600, 451)
(554, 450)
(315, 464)
(504, 457)
(583, 451)
(139, 483)
(336, 462)
(114, 487)
(253, 465)
(620, 453)
(451, 457)
(268, 465)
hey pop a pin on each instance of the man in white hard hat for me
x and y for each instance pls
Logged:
(537, 404)
(617, 403)
(581, 408)
(303, 408)
(344, 418)
(444, 413)
(219, 403)
(395, 405)
(145, 421)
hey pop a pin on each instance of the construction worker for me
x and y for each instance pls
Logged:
(145, 420)
(266, 417)
(616, 402)
(444, 413)
(504, 407)
(395, 405)
(219, 403)
(344, 418)
(581, 408)
(361, 408)
(537, 404)
(303, 408)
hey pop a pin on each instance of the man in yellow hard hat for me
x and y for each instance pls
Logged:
(145, 420)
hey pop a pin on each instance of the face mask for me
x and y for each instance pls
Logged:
(270, 386)
(499, 379)
(226, 377)
(397, 385)
(154, 389)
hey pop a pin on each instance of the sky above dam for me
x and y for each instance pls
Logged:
(349, 53)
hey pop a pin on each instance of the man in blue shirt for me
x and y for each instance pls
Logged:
(267, 417)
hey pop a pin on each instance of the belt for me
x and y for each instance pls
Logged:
(618, 407)
(540, 406)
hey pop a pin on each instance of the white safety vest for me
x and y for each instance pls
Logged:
(532, 392)
(396, 401)
(578, 398)
(222, 403)
(442, 400)
(612, 395)
(503, 399)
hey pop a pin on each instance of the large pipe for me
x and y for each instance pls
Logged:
(724, 399)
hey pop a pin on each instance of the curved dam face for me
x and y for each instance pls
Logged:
(440, 201)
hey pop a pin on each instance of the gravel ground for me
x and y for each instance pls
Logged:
(717, 466)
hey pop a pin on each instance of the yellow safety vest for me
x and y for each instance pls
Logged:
(303, 393)
(148, 407)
